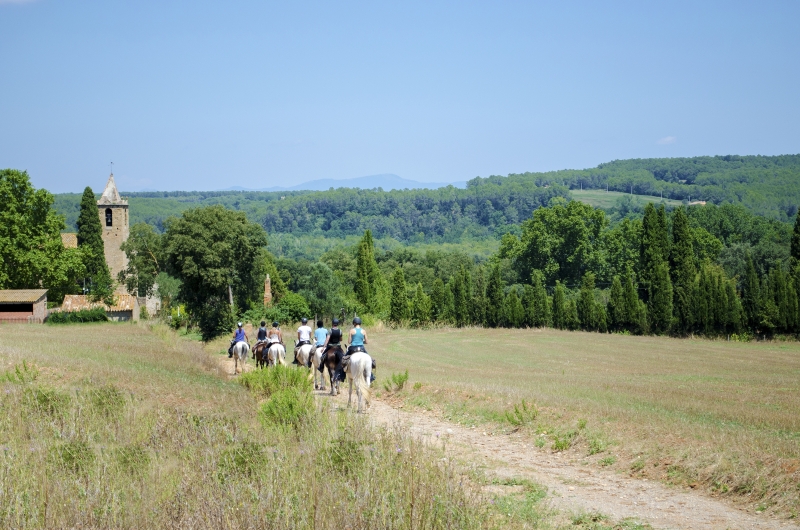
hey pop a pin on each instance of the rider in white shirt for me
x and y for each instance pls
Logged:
(303, 336)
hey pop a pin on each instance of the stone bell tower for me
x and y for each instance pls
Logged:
(113, 211)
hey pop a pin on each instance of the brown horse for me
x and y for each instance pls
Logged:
(260, 354)
(330, 364)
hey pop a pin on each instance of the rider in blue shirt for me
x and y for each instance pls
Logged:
(319, 334)
(238, 336)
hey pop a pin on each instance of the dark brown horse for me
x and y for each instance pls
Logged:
(330, 364)
(260, 354)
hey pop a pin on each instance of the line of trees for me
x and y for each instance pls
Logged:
(659, 282)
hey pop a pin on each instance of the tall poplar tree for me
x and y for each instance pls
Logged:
(420, 307)
(636, 319)
(367, 273)
(438, 300)
(750, 294)
(529, 304)
(660, 303)
(90, 241)
(398, 311)
(586, 306)
(514, 312)
(617, 317)
(479, 297)
(683, 272)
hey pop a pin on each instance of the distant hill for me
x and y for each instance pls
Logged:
(385, 181)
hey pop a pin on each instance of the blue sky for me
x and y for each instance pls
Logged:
(206, 95)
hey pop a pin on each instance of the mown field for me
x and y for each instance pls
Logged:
(608, 199)
(713, 415)
(118, 425)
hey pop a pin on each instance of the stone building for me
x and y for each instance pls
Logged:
(113, 211)
(23, 305)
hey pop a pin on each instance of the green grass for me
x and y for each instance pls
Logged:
(606, 200)
(123, 426)
(718, 411)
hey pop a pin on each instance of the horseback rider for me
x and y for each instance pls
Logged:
(275, 335)
(358, 338)
(320, 334)
(238, 336)
(332, 340)
(262, 336)
(303, 337)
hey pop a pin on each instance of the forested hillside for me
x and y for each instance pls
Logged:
(488, 207)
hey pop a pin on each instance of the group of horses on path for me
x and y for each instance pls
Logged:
(358, 371)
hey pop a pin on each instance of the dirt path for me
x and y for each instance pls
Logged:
(572, 487)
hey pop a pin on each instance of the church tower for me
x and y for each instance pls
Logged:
(113, 211)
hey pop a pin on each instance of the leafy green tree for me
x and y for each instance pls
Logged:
(514, 313)
(31, 252)
(683, 272)
(634, 308)
(768, 315)
(572, 320)
(219, 257)
(399, 308)
(293, 306)
(90, 241)
(145, 260)
(563, 241)
(780, 296)
(528, 304)
(560, 317)
(420, 307)
(652, 248)
(495, 297)
(461, 309)
(448, 308)
(586, 305)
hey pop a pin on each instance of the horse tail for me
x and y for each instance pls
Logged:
(282, 356)
(360, 377)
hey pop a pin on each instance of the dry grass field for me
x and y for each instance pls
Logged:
(118, 425)
(713, 415)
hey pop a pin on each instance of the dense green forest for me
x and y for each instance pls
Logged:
(768, 186)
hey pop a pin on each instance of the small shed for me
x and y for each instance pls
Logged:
(126, 306)
(23, 305)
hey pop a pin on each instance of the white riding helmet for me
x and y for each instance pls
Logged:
(239, 324)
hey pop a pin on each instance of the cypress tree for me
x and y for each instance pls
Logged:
(529, 304)
(616, 313)
(367, 273)
(734, 307)
(90, 241)
(660, 302)
(794, 249)
(495, 298)
(767, 310)
(663, 233)
(587, 313)
(514, 312)
(469, 310)
(438, 300)
(398, 311)
(448, 308)
(750, 295)
(573, 322)
(650, 248)
(633, 308)
(420, 307)
(461, 313)
(683, 272)
(779, 294)
(793, 303)
(541, 308)
(559, 307)
(479, 297)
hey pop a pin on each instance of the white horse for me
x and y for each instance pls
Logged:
(316, 359)
(360, 373)
(241, 351)
(303, 354)
(276, 354)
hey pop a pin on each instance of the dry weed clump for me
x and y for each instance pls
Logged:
(128, 428)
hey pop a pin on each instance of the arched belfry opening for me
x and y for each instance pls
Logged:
(109, 217)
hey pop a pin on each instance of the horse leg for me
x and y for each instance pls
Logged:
(350, 396)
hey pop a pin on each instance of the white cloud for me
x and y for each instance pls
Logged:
(667, 140)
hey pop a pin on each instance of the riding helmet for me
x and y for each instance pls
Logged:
(275, 324)
(357, 321)
(263, 323)
(239, 324)
(335, 322)
(304, 320)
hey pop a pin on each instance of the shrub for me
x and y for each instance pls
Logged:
(95, 314)
(562, 442)
(49, 401)
(22, 374)
(396, 382)
(75, 456)
(288, 407)
(265, 383)
(522, 415)
(107, 400)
